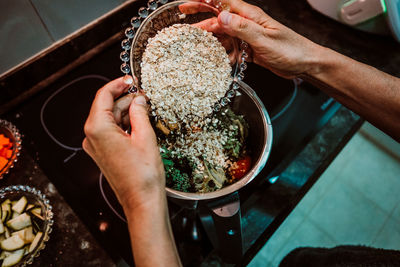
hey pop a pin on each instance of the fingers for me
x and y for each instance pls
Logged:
(121, 107)
(210, 25)
(131, 80)
(101, 117)
(232, 58)
(239, 7)
(125, 122)
(196, 7)
(246, 10)
(240, 27)
(86, 146)
(142, 130)
(104, 100)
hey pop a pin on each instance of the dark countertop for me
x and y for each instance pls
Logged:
(295, 179)
(298, 177)
(70, 241)
(270, 204)
(381, 52)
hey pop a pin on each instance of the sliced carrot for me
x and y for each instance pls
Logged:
(9, 145)
(4, 140)
(3, 162)
(3, 152)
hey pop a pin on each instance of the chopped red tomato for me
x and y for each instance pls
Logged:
(5, 150)
(240, 168)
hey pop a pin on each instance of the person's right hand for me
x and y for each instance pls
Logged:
(130, 162)
(273, 45)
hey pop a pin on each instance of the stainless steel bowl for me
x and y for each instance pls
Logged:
(245, 103)
(259, 142)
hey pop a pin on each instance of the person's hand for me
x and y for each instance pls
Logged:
(272, 45)
(130, 162)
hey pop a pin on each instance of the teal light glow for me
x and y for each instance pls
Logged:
(383, 3)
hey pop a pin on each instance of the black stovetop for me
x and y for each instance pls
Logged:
(52, 124)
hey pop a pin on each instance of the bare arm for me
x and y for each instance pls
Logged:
(151, 235)
(367, 91)
(133, 168)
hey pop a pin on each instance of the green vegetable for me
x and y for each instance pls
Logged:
(216, 174)
(233, 147)
(179, 180)
(238, 130)
(175, 178)
(181, 172)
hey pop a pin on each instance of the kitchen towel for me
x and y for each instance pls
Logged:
(341, 256)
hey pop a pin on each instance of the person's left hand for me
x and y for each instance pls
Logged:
(130, 162)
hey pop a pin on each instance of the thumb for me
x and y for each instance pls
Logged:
(240, 27)
(138, 114)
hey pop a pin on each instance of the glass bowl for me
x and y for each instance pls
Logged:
(11, 132)
(36, 197)
(160, 14)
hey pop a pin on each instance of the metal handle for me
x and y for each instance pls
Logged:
(227, 220)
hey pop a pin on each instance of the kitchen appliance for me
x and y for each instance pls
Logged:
(375, 16)
(52, 124)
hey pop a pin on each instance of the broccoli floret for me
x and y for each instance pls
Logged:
(175, 179)
(237, 128)
(233, 147)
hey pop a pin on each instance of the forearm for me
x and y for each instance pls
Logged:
(151, 234)
(367, 91)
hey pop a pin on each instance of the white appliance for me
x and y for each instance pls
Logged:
(376, 16)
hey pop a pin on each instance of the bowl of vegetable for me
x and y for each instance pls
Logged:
(247, 149)
(26, 222)
(210, 146)
(10, 146)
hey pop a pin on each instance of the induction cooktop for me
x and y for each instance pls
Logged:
(52, 123)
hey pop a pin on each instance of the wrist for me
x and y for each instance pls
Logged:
(143, 201)
(315, 61)
(151, 234)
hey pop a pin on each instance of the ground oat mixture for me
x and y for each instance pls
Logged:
(185, 71)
